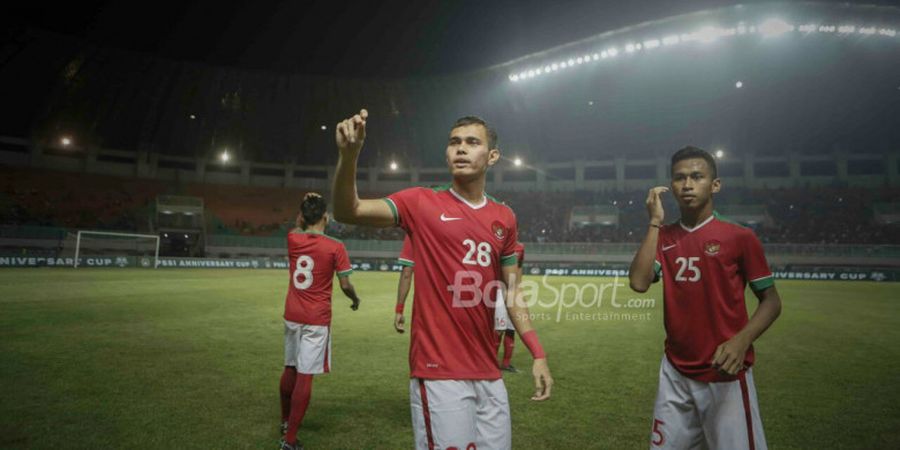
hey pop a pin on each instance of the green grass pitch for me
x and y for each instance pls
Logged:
(117, 358)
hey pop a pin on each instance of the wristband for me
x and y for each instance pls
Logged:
(530, 340)
(399, 308)
(655, 225)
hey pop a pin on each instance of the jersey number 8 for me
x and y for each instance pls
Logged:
(303, 268)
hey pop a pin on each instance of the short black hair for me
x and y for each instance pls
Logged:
(691, 152)
(312, 209)
(475, 120)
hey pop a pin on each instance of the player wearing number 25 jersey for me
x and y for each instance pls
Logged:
(706, 396)
(464, 250)
(314, 260)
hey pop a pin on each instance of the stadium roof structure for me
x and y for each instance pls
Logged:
(769, 78)
(756, 21)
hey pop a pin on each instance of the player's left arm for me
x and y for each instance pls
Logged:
(729, 356)
(518, 313)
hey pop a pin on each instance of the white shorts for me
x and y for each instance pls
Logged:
(461, 414)
(501, 315)
(692, 414)
(307, 347)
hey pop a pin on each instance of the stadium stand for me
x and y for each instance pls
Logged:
(823, 215)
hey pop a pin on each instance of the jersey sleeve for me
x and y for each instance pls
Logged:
(342, 262)
(403, 205)
(406, 253)
(520, 252)
(508, 256)
(753, 263)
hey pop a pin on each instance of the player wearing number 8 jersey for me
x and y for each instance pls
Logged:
(314, 260)
(464, 248)
(706, 396)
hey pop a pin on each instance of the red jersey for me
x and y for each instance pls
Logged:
(705, 270)
(520, 253)
(459, 249)
(406, 253)
(314, 258)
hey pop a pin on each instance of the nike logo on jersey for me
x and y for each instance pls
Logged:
(449, 219)
(669, 247)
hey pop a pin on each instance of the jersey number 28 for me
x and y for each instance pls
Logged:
(481, 253)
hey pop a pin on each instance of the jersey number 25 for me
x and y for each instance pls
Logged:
(687, 265)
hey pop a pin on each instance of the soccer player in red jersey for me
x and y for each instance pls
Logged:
(502, 323)
(706, 395)
(314, 260)
(406, 274)
(464, 248)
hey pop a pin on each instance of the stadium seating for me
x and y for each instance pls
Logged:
(795, 215)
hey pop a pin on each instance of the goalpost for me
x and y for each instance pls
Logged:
(118, 244)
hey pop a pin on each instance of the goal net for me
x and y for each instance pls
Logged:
(103, 248)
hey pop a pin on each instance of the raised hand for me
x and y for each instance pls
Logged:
(350, 134)
(655, 205)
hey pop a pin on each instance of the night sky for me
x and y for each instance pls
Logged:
(387, 38)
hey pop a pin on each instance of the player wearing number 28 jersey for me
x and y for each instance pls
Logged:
(464, 250)
(314, 260)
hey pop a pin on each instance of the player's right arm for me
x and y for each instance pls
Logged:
(642, 274)
(406, 276)
(348, 207)
(348, 290)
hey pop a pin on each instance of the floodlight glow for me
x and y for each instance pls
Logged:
(808, 28)
(517, 162)
(629, 48)
(707, 34)
(596, 56)
(612, 52)
(887, 32)
(739, 84)
(671, 40)
(604, 55)
(774, 27)
(741, 29)
(579, 60)
(720, 154)
(637, 46)
(554, 66)
(844, 29)
(225, 157)
(65, 141)
(513, 78)
(192, 117)
(547, 69)
(323, 127)
(867, 31)
(530, 74)
(394, 165)
(827, 29)
(571, 62)
(652, 43)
